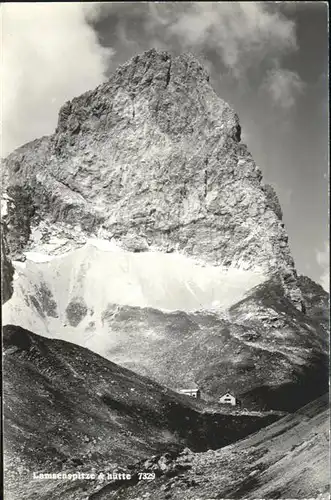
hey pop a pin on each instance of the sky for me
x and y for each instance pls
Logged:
(269, 61)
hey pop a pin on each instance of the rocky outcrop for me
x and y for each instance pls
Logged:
(17, 218)
(7, 270)
(316, 300)
(153, 159)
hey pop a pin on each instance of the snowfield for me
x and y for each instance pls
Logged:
(99, 275)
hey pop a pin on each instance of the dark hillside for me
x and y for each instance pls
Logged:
(67, 408)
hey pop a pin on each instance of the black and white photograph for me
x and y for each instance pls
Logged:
(165, 250)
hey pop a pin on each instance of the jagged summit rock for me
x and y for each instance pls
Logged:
(153, 159)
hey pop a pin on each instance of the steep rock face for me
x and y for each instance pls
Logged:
(19, 210)
(7, 270)
(316, 300)
(153, 159)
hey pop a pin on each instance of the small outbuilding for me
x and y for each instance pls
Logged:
(193, 393)
(228, 399)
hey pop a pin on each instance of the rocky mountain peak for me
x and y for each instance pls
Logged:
(161, 79)
(153, 160)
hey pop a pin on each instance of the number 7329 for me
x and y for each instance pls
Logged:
(149, 476)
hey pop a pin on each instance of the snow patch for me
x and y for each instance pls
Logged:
(18, 264)
(38, 257)
(104, 245)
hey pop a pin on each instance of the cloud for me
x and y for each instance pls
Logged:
(249, 39)
(244, 37)
(283, 86)
(50, 53)
(243, 34)
(323, 260)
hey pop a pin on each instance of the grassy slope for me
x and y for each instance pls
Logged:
(67, 408)
(288, 459)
